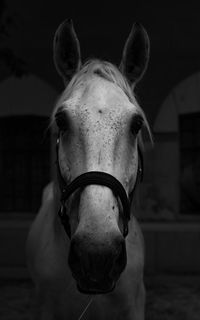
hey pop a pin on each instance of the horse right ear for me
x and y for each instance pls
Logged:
(135, 54)
(66, 50)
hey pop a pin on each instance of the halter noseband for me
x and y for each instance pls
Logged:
(95, 178)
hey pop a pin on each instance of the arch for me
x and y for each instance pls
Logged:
(184, 98)
(171, 156)
(26, 104)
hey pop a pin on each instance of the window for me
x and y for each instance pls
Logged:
(24, 162)
(189, 125)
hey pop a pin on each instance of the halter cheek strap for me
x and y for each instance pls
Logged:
(95, 178)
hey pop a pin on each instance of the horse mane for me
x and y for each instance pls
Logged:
(109, 72)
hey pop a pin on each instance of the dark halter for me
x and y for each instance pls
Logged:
(95, 178)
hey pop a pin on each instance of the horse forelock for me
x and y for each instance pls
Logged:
(109, 72)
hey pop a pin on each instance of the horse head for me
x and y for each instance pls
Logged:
(98, 161)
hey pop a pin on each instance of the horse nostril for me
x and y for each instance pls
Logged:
(119, 259)
(78, 258)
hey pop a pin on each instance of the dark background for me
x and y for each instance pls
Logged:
(102, 28)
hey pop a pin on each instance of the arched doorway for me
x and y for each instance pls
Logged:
(177, 149)
(25, 142)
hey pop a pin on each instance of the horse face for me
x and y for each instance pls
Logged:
(98, 126)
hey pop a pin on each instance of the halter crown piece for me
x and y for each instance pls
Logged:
(95, 178)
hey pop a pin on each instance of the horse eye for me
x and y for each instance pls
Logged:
(62, 121)
(136, 124)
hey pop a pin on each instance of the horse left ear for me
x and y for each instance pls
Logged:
(67, 57)
(135, 54)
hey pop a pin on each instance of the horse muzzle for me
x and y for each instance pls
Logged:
(96, 267)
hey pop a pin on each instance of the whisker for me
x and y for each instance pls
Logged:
(84, 311)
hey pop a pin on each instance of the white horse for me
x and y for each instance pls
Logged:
(84, 261)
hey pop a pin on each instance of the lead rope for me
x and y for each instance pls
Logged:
(84, 311)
